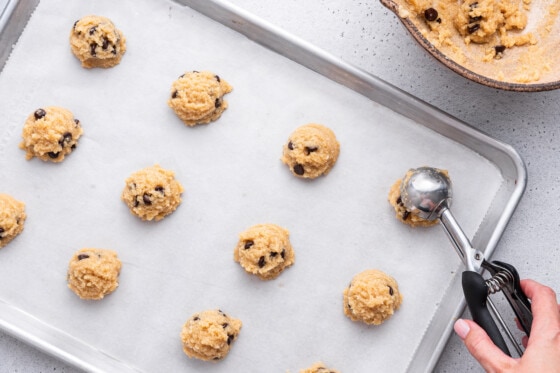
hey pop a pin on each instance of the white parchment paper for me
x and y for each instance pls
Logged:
(340, 224)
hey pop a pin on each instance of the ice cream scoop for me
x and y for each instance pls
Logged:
(427, 192)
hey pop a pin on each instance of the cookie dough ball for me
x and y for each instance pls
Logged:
(152, 193)
(311, 151)
(12, 218)
(208, 335)
(197, 97)
(372, 297)
(94, 273)
(402, 213)
(50, 134)
(96, 42)
(264, 250)
(318, 368)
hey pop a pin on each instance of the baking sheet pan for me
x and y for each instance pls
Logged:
(340, 224)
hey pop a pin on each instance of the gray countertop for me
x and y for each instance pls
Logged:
(366, 34)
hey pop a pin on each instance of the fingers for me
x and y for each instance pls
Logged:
(544, 305)
(481, 347)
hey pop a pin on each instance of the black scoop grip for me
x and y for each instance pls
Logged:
(476, 295)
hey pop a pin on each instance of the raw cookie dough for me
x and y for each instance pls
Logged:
(208, 335)
(197, 97)
(479, 21)
(96, 42)
(152, 193)
(50, 134)
(12, 218)
(492, 38)
(372, 297)
(264, 250)
(93, 273)
(311, 151)
(402, 213)
(488, 21)
(318, 368)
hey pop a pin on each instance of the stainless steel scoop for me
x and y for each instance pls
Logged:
(427, 192)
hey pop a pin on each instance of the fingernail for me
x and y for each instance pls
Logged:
(462, 328)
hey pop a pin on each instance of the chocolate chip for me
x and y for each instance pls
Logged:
(248, 244)
(1, 231)
(290, 146)
(65, 139)
(39, 113)
(92, 30)
(399, 201)
(223, 313)
(53, 155)
(310, 149)
(216, 358)
(146, 199)
(105, 44)
(475, 19)
(298, 169)
(92, 48)
(405, 215)
(196, 71)
(430, 14)
(230, 338)
(473, 5)
(217, 78)
(196, 318)
(114, 51)
(473, 28)
(500, 48)
(75, 23)
(391, 291)
(175, 94)
(273, 254)
(136, 202)
(283, 254)
(83, 256)
(73, 147)
(262, 262)
(160, 189)
(225, 325)
(77, 122)
(217, 103)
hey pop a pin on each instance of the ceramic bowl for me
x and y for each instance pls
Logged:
(529, 68)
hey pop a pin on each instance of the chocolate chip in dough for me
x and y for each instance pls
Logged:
(298, 169)
(431, 14)
(39, 113)
(146, 199)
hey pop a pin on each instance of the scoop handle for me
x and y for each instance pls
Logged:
(476, 294)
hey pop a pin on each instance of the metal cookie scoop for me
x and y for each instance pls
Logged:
(427, 192)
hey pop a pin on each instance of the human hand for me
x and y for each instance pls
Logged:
(542, 353)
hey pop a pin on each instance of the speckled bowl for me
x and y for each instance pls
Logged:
(498, 73)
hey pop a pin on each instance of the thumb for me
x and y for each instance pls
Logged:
(481, 347)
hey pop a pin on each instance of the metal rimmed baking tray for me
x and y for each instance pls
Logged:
(340, 224)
